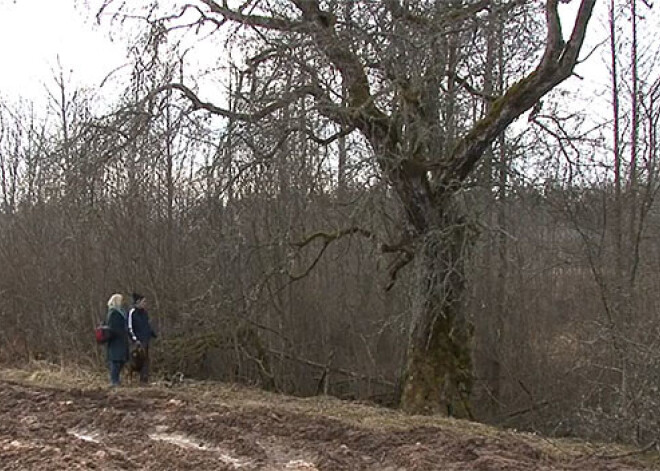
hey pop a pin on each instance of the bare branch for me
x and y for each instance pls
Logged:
(330, 139)
(329, 237)
(265, 22)
(199, 104)
(456, 14)
(570, 54)
(463, 82)
(367, 116)
(555, 67)
(312, 265)
(554, 40)
(399, 263)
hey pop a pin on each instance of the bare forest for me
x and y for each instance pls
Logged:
(408, 203)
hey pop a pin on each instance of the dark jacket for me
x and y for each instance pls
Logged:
(139, 327)
(117, 349)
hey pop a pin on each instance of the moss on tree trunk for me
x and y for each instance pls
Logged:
(438, 375)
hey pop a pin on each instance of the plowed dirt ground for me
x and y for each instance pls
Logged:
(51, 425)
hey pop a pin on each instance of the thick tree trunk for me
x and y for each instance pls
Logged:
(438, 376)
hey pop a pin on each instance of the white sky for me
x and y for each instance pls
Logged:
(32, 35)
(34, 32)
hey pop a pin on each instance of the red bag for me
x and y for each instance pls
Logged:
(102, 333)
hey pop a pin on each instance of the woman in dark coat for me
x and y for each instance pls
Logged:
(117, 348)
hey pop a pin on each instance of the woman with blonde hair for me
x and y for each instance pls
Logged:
(117, 347)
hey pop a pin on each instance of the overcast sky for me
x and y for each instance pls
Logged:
(32, 37)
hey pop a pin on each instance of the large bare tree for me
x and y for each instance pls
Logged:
(395, 73)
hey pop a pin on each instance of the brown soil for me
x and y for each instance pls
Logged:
(215, 427)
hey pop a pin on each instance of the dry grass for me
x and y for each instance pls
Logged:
(355, 414)
(47, 374)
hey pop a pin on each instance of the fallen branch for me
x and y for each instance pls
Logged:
(331, 369)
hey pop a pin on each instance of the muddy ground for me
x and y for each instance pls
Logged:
(202, 428)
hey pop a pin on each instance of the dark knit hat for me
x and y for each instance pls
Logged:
(136, 297)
